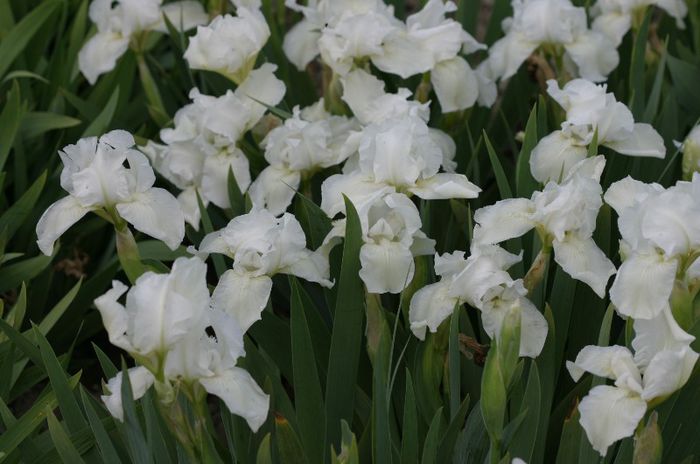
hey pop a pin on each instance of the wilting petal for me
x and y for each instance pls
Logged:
(504, 220)
(56, 220)
(141, 380)
(274, 189)
(242, 295)
(100, 54)
(429, 307)
(445, 185)
(643, 285)
(387, 267)
(114, 317)
(643, 141)
(584, 261)
(156, 213)
(241, 394)
(609, 414)
(668, 371)
(301, 43)
(455, 84)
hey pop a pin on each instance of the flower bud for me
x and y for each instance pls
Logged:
(691, 153)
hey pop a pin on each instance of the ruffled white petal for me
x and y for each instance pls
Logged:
(594, 55)
(668, 371)
(386, 267)
(614, 25)
(609, 414)
(430, 306)
(114, 317)
(100, 54)
(301, 43)
(242, 395)
(504, 220)
(243, 296)
(156, 213)
(274, 189)
(190, 207)
(57, 219)
(626, 192)
(359, 190)
(312, 266)
(554, 156)
(165, 308)
(533, 329)
(642, 141)
(604, 361)
(643, 285)
(445, 185)
(583, 260)
(455, 84)
(215, 176)
(141, 380)
(657, 334)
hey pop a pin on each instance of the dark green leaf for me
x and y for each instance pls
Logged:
(308, 399)
(346, 338)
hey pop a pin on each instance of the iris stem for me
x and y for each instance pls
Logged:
(128, 253)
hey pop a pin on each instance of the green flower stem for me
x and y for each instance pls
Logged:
(128, 253)
(179, 426)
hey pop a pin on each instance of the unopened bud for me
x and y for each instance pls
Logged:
(691, 153)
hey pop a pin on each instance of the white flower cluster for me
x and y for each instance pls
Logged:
(202, 148)
(163, 327)
(615, 17)
(348, 32)
(590, 113)
(123, 23)
(96, 179)
(229, 45)
(394, 155)
(482, 282)
(379, 158)
(655, 287)
(555, 27)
